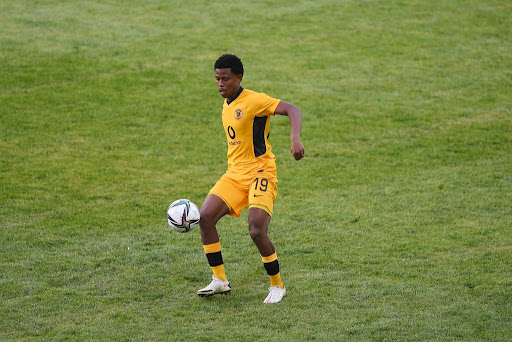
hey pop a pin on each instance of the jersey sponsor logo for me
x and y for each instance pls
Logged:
(232, 135)
(231, 132)
(239, 113)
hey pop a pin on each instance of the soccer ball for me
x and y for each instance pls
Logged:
(183, 215)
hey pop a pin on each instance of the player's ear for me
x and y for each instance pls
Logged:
(240, 77)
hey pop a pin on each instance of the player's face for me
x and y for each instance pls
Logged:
(227, 82)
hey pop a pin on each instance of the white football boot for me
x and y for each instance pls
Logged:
(276, 293)
(217, 286)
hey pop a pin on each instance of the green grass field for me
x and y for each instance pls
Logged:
(395, 227)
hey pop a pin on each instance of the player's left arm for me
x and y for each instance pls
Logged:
(294, 114)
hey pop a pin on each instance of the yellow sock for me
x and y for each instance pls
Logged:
(219, 272)
(214, 256)
(276, 280)
(272, 267)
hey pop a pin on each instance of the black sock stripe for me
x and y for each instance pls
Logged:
(214, 259)
(272, 267)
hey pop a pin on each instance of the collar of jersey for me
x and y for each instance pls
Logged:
(237, 94)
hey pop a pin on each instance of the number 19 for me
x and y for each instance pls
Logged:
(263, 184)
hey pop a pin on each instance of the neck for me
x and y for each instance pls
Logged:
(235, 96)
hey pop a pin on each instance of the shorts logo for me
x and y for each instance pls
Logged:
(239, 113)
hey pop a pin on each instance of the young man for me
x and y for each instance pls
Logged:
(251, 178)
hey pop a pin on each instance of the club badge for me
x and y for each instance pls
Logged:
(239, 113)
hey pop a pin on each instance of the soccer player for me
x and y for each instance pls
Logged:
(251, 178)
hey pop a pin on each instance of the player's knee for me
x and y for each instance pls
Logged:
(207, 218)
(256, 233)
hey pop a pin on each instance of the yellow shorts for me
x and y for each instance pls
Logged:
(239, 190)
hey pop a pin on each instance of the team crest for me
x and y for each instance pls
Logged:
(239, 113)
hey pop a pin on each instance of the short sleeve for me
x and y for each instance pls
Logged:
(265, 105)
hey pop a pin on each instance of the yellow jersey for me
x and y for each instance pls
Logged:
(246, 121)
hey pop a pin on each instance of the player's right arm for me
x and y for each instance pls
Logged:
(294, 114)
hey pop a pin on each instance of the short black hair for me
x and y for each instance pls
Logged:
(230, 61)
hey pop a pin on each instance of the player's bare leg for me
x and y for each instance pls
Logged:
(259, 221)
(212, 210)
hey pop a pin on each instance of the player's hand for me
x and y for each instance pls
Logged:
(297, 149)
